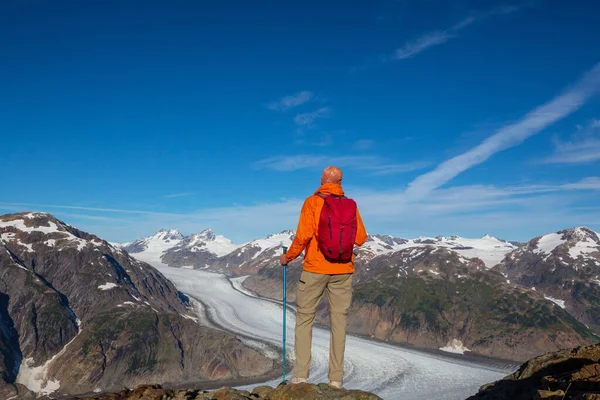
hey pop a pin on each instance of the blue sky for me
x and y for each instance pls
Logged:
(463, 117)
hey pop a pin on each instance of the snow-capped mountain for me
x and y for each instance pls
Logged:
(170, 247)
(487, 248)
(161, 240)
(565, 267)
(254, 255)
(206, 241)
(207, 250)
(198, 250)
(151, 249)
(81, 310)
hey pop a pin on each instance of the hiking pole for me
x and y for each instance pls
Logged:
(283, 381)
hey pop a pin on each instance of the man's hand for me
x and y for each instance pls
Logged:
(282, 259)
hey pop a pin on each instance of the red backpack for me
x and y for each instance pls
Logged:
(337, 228)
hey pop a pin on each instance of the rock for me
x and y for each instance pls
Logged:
(306, 391)
(262, 391)
(568, 374)
(303, 391)
(549, 395)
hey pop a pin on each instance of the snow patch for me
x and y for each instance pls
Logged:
(583, 247)
(455, 346)
(547, 243)
(108, 286)
(19, 224)
(560, 303)
(189, 317)
(36, 378)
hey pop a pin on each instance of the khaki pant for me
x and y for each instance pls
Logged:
(339, 292)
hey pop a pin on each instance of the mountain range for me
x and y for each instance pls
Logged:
(487, 295)
(79, 314)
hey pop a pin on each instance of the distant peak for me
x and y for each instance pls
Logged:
(286, 232)
(207, 234)
(168, 231)
(168, 234)
(579, 233)
(487, 236)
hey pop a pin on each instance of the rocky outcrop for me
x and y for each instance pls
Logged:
(433, 297)
(79, 315)
(568, 374)
(302, 391)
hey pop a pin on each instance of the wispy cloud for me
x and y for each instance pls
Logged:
(292, 101)
(308, 119)
(438, 37)
(305, 161)
(371, 164)
(323, 140)
(584, 146)
(511, 135)
(391, 169)
(422, 43)
(587, 183)
(364, 144)
(99, 209)
(175, 195)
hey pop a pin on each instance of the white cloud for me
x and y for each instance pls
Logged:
(390, 169)
(511, 135)
(438, 37)
(305, 161)
(288, 102)
(584, 146)
(412, 48)
(587, 183)
(371, 164)
(99, 209)
(175, 195)
(308, 119)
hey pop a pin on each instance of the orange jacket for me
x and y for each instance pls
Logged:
(306, 235)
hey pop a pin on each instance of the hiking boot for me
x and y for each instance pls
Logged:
(336, 385)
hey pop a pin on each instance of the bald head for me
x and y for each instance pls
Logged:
(331, 175)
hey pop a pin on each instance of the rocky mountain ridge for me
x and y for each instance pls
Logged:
(563, 266)
(207, 250)
(78, 315)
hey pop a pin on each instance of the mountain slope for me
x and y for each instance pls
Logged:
(434, 297)
(80, 315)
(198, 250)
(152, 248)
(563, 266)
(254, 255)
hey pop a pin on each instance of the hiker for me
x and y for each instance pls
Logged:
(329, 227)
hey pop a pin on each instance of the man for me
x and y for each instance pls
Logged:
(328, 266)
